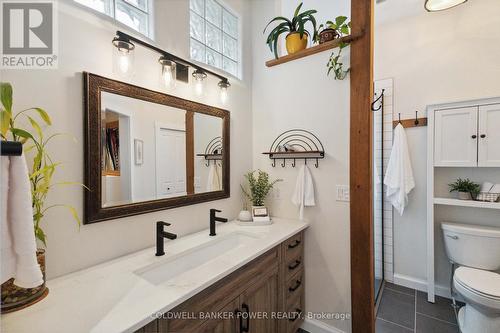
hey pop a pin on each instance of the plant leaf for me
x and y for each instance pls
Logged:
(4, 122)
(339, 20)
(22, 133)
(40, 235)
(44, 115)
(297, 9)
(6, 96)
(37, 127)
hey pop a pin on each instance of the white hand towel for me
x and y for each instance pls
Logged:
(214, 180)
(304, 190)
(399, 175)
(18, 249)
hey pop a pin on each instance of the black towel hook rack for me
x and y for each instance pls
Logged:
(296, 144)
(213, 151)
(11, 148)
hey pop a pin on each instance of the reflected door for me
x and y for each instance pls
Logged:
(171, 162)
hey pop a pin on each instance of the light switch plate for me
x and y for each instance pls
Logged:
(342, 192)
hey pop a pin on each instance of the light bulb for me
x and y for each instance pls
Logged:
(198, 87)
(168, 72)
(199, 75)
(124, 64)
(123, 56)
(223, 85)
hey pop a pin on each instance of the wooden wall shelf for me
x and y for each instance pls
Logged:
(311, 50)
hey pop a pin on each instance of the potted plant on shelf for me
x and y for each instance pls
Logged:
(258, 189)
(331, 30)
(41, 173)
(297, 37)
(467, 190)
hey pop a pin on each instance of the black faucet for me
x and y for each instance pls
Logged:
(214, 219)
(160, 234)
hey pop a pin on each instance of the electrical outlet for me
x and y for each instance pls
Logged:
(342, 192)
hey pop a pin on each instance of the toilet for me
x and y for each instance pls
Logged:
(477, 250)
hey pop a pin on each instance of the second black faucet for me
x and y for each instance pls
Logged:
(214, 219)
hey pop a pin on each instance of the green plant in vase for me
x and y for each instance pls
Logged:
(297, 34)
(35, 142)
(333, 29)
(335, 64)
(258, 186)
(466, 188)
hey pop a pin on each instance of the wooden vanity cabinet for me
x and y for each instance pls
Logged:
(253, 299)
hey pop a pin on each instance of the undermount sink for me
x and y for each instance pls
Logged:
(183, 262)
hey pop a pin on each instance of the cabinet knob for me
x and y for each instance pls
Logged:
(483, 136)
(474, 136)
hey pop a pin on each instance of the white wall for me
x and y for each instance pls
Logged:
(85, 45)
(434, 58)
(300, 95)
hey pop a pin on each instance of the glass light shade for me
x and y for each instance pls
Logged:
(437, 5)
(123, 57)
(199, 76)
(223, 85)
(168, 72)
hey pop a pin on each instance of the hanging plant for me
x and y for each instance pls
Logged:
(335, 65)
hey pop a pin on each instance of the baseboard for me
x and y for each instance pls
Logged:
(316, 326)
(419, 284)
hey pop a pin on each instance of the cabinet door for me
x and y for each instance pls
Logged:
(489, 136)
(456, 137)
(259, 304)
(227, 323)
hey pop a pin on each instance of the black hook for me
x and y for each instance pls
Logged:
(283, 164)
(274, 162)
(208, 163)
(381, 97)
(399, 116)
(293, 164)
(416, 118)
(305, 161)
(316, 164)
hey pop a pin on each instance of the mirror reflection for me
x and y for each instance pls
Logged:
(152, 151)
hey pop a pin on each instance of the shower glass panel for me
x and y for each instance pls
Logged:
(378, 211)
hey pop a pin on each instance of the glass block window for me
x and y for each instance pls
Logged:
(214, 35)
(135, 14)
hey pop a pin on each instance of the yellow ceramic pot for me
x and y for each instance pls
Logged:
(294, 43)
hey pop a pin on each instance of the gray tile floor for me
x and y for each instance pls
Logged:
(405, 310)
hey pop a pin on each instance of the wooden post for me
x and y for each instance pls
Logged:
(362, 268)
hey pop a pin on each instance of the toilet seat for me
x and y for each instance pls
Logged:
(480, 282)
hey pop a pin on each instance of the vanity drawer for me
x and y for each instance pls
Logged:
(293, 246)
(293, 265)
(294, 288)
(296, 317)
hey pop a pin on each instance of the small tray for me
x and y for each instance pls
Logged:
(253, 223)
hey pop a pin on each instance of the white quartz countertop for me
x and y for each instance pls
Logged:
(113, 297)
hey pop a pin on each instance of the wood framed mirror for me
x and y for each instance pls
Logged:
(147, 151)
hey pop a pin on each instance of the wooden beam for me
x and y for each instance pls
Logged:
(190, 152)
(311, 50)
(361, 165)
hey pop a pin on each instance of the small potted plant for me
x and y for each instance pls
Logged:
(467, 190)
(331, 30)
(297, 37)
(258, 189)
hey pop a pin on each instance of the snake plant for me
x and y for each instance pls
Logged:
(296, 24)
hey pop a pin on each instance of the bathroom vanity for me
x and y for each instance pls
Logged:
(257, 270)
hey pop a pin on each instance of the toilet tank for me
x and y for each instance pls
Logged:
(472, 245)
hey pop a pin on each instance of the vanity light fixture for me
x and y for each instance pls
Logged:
(123, 54)
(223, 85)
(173, 68)
(199, 75)
(168, 72)
(438, 5)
